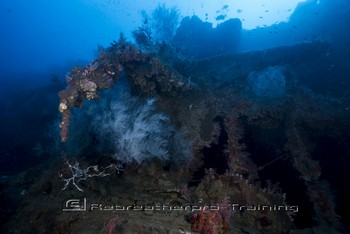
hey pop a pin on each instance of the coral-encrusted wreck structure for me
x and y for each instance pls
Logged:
(147, 72)
(247, 148)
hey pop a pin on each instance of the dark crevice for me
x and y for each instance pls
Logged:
(265, 146)
(334, 157)
(213, 157)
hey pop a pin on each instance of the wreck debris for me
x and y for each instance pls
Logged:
(83, 84)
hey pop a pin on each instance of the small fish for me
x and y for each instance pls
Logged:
(220, 17)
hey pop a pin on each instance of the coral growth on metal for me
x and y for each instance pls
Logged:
(147, 72)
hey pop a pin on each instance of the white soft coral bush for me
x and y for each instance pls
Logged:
(132, 130)
(138, 132)
(128, 128)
